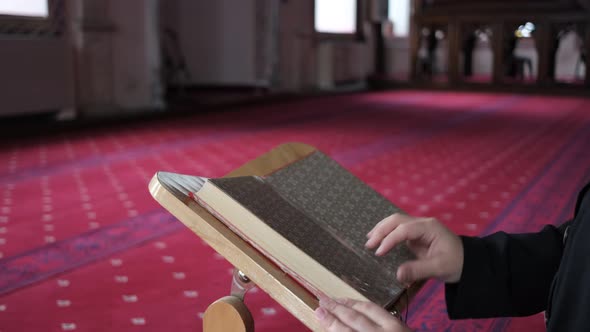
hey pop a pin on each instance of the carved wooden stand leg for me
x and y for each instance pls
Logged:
(230, 314)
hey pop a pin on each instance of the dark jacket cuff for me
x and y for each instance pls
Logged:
(461, 297)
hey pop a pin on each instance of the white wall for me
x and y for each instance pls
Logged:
(306, 62)
(118, 56)
(219, 40)
(107, 61)
(298, 55)
(342, 63)
(397, 57)
(36, 75)
(216, 37)
(136, 54)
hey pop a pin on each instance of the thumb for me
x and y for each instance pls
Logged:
(415, 270)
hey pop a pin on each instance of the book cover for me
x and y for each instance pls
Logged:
(324, 211)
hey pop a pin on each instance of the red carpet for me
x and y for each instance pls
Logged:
(85, 248)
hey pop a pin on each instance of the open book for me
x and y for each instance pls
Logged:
(310, 218)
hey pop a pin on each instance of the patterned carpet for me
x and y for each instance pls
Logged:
(84, 247)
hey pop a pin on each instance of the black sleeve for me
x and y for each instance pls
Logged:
(506, 274)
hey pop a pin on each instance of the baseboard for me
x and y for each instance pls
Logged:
(558, 89)
(221, 88)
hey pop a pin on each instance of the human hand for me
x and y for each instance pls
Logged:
(438, 250)
(355, 316)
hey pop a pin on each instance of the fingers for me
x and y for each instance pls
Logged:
(329, 322)
(372, 311)
(413, 271)
(355, 316)
(385, 227)
(405, 232)
(337, 316)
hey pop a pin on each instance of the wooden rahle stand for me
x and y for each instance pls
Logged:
(251, 267)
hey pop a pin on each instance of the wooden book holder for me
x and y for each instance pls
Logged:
(229, 313)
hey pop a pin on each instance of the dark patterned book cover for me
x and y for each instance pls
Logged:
(326, 212)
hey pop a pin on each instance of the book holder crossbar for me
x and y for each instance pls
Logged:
(251, 267)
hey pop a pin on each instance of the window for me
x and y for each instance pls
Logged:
(29, 8)
(399, 14)
(32, 18)
(336, 16)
